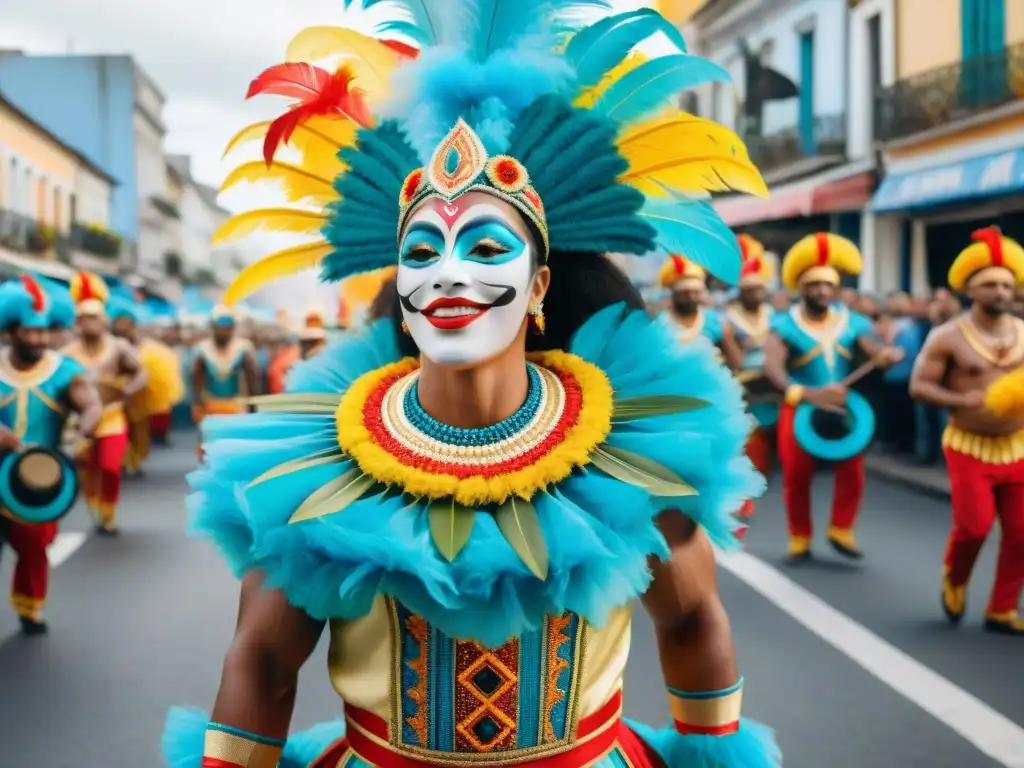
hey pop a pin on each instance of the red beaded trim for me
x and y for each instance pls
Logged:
(706, 730)
(569, 417)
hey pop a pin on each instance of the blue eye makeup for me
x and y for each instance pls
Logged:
(422, 246)
(489, 241)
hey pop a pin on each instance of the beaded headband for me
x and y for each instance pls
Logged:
(460, 164)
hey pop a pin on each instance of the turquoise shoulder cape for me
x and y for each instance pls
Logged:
(599, 530)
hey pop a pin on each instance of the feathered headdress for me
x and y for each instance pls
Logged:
(24, 303)
(89, 293)
(313, 328)
(989, 249)
(516, 98)
(756, 269)
(62, 307)
(677, 269)
(821, 256)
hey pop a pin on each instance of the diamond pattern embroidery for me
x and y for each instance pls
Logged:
(487, 681)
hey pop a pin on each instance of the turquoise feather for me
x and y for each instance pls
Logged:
(693, 229)
(654, 84)
(596, 50)
(500, 23)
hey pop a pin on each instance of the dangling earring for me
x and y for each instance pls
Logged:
(537, 318)
(405, 328)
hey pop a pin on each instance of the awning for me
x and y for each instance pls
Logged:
(999, 173)
(44, 267)
(798, 200)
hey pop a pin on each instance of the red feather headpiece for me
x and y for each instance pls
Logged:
(38, 297)
(993, 238)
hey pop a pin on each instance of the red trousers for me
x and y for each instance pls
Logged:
(160, 424)
(798, 473)
(759, 451)
(981, 492)
(100, 473)
(32, 571)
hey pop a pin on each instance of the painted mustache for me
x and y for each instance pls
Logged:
(452, 313)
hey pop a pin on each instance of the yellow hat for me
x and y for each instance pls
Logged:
(756, 270)
(820, 257)
(677, 270)
(89, 293)
(990, 250)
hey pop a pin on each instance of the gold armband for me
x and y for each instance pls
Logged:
(707, 713)
(227, 747)
(794, 394)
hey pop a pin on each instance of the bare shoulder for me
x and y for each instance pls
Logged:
(945, 337)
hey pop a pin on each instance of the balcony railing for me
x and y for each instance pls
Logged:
(944, 95)
(94, 240)
(782, 148)
(23, 233)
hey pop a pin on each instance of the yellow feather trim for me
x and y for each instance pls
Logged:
(687, 154)
(317, 141)
(270, 220)
(276, 265)
(298, 184)
(591, 429)
(589, 96)
(1005, 395)
(372, 62)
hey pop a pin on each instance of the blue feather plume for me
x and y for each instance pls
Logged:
(596, 50)
(655, 83)
(693, 229)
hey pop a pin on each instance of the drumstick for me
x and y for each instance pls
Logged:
(861, 372)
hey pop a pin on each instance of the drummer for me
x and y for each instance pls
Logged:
(687, 283)
(224, 370)
(807, 356)
(750, 319)
(37, 389)
(114, 368)
(984, 450)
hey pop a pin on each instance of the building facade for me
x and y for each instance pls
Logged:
(110, 111)
(951, 130)
(54, 201)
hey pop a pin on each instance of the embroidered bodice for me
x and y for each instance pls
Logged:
(820, 354)
(32, 402)
(224, 370)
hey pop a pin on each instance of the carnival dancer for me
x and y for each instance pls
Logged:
(113, 367)
(313, 336)
(439, 514)
(749, 319)
(163, 390)
(972, 365)
(38, 387)
(224, 370)
(808, 356)
(687, 283)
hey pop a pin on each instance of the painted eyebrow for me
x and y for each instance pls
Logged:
(422, 228)
(488, 221)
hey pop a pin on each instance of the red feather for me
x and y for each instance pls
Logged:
(403, 50)
(993, 238)
(87, 293)
(822, 240)
(38, 297)
(318, 94)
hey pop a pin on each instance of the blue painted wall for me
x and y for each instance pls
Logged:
(783, 28)
(88, 103)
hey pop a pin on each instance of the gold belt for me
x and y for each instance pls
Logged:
(992, 449)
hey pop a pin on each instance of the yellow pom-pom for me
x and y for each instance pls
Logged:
(1005, 396)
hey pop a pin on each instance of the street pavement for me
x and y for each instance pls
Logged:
(851, 663)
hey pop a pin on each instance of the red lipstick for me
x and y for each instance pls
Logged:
(453, 314)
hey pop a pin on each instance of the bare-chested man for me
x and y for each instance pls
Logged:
(224, 369)
(984, 452)
(114, 368)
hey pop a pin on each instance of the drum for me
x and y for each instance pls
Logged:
(37, 485)
(833, 436)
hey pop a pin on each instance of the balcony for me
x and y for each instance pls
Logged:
(24, 234)
(94, 240)
(947, 94)
(791, 146)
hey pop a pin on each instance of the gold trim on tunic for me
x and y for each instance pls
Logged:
(991, 449)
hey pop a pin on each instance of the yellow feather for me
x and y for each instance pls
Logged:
(299, 185)
(271, 220)
(372, 62)
(317, 141)
(688, 154)
(589, 96)
(254, 132)
(275, 266)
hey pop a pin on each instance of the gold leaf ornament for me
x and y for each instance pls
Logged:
(334, 496)
(451, 524)
(310, 402)
(632, 408)
(632, 468)
(519, 524)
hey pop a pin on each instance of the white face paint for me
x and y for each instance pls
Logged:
(465, 272)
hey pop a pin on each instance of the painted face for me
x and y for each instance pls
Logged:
(465, 274)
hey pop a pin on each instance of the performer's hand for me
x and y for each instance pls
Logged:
(9, 441)
(975, 398)
(890, 356)
(831, 397)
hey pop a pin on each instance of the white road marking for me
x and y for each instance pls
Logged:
(992, 733)
(64, 546)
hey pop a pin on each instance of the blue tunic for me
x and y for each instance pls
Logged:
(819, 356)
(224, 373)
(32, 403)
(708, 325)
(751, 335)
